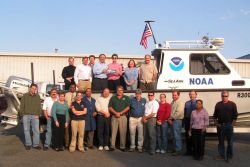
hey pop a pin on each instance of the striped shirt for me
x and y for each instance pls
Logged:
(199, 119)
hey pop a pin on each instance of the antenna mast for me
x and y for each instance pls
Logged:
(148, 22)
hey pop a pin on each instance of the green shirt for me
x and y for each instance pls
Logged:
(30, 105)
(61, 109)
(119, 104)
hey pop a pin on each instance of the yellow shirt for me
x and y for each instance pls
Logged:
(69, 98)
(147, 71)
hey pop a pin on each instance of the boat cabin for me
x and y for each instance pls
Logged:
(195, 65)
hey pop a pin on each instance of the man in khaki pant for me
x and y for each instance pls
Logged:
(118, 107)
(70, 98)
(83, 75)
(79, 111)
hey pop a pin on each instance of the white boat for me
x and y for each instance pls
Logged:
(198, 65)
(11, 93)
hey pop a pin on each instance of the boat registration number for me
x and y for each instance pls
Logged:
(243, 95)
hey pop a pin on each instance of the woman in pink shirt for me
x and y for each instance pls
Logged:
(198, 123)
(114, 73)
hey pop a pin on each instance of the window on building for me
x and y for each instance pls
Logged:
(207, 64)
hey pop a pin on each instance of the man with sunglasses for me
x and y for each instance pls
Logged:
(114, 73)
(225, 116)
(149, 120)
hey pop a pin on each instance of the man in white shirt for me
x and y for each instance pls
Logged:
(83, 75)
(47, 105)
(149, 120)
(103, 120)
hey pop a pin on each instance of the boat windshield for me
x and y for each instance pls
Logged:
(207, 64)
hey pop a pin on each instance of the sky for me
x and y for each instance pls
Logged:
(116, 26)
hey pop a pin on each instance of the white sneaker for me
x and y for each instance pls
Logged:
(158, 151)
(106, 148)
(163, 151)
(100, 148)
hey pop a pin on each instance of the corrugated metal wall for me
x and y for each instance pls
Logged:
(242, 67)
(43, 67)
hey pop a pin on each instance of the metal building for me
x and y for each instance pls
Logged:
(242, 66)
(19, 64)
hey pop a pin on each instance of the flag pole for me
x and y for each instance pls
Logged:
(148, 22)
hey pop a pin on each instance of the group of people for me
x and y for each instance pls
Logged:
(99, 75)
(152, 120)
(74, 118)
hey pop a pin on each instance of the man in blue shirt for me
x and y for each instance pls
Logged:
(90, 118)
(137, 109)
(189, 107)
(100, 70)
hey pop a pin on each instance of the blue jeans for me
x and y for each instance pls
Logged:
(162, 139)
(132, 87)
(30, 120)
(225, 131)
(48, 133)
(177, 125)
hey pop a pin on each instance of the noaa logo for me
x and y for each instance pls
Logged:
(176, 64)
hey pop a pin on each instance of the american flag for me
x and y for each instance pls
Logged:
(146, 33)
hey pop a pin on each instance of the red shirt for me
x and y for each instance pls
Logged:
(163, 112)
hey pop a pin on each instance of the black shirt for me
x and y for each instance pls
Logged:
(225, 112)
(79, 107)
(68, 71)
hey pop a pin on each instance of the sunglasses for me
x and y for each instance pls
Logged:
(150, 95)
